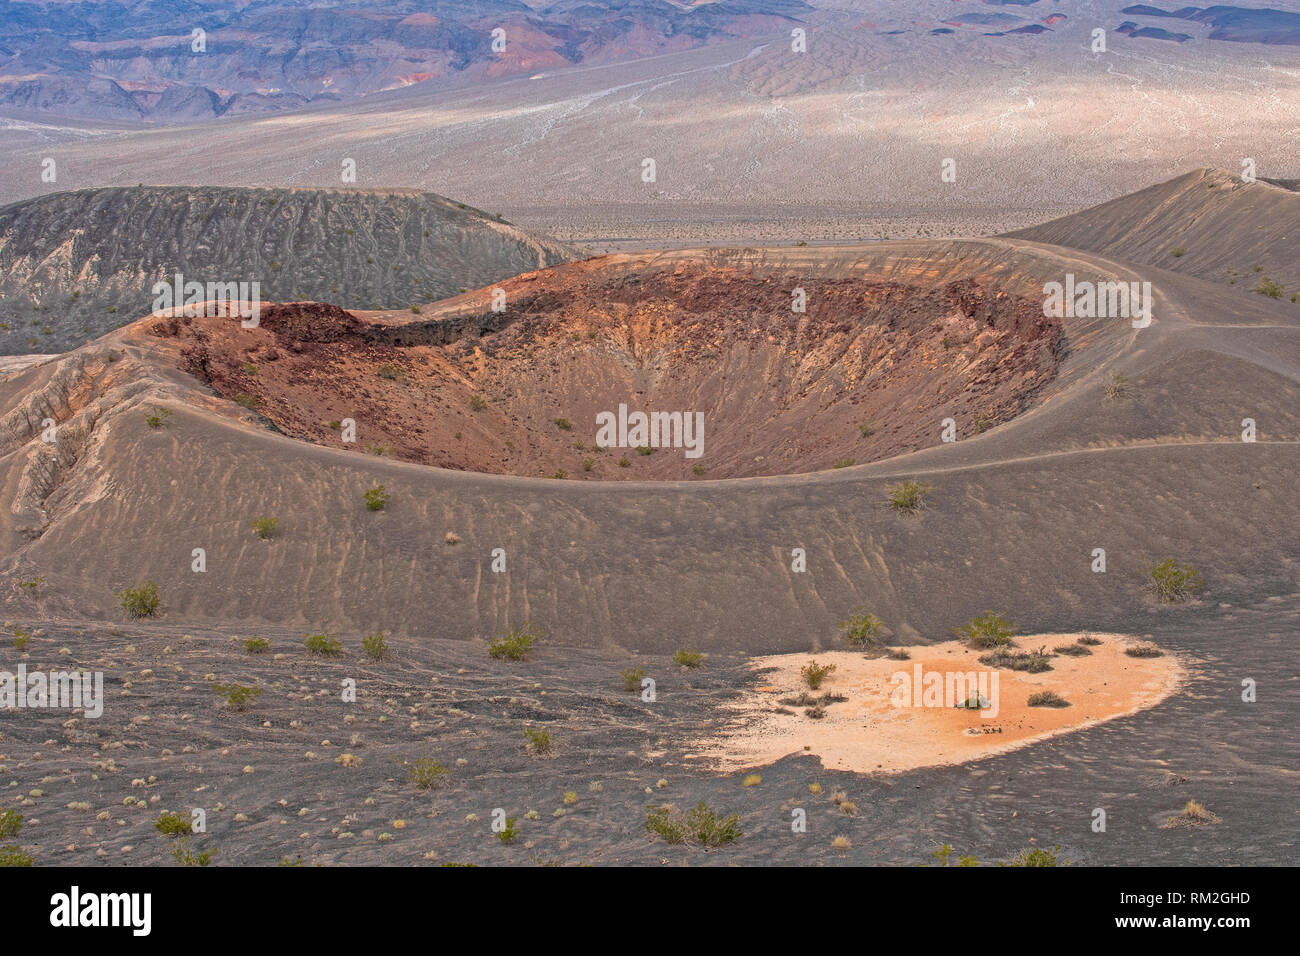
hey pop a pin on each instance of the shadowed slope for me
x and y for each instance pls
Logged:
(74, 265)
(1207, 223)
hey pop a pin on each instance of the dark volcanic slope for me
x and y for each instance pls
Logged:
(1224, 228)
(74, 265)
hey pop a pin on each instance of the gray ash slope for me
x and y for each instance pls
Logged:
(74, 265)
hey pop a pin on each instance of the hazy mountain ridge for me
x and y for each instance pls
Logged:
(127, 59)
(77, 264)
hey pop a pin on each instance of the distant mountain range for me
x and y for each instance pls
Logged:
(143, 59)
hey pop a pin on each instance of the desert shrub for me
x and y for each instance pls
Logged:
(688, 658)
(624, 463)
(563, 424)
(697, 469)
(559, 475)
(256, 645)
(898, 654)
(508, 833)
(376, 498)
(14, 856)
(428, 774)
(1047, 698)
(156, 418)
(173, 824)
(477, 403)
(538, 741)
(375, 646)
(1033, 662)
(644, 450)
(1118, 387)
(909, 497)
(378, 450)
(866, 429)
(1180, 252)
(184, 856)
(844, 462)
(588, 464)
(1036, 856)
(515, 644)
(632, 678)
(806, 699)
(264, 527)
(1090, 641)
(392, 373)
(1073, 650)
(816, 713)
(1173, 582)
(248, 401)
(752, 780)
(323, 643)
(236, 695)
(141, 600)
(11, 821)
(1269, 287)
(21, 639)
(988, 630)
(700, 825)
(1143, 650)
(813, 674)
(1194, 815)
(861, 628)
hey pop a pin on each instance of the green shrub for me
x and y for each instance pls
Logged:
(909, 497)
(173, 824)
(21, 639)
(477, 403)
(813, 674)
(624, 463)
(508, 833)
(184, 856)
(588, 464)
(1180, 252)
(697, 469)
(1173, 582)
(375, 646)
(515, 644)
(563, 424)
(237, 696)
(264, 527)
(632, 678)
(157, 417)
(1036, 856)
(1269, 288)
(323, 643)
(14, 856)
(989, 630)
(11, 821)
(427, 774)
(866, 429)
(1047, 698)
(844, 462)
(248, 401)
(688, 658)
(644, 450)
(257, 645)
(538, 741)
(141, 600)
(701, 825)
(377, 498)
(861, 628)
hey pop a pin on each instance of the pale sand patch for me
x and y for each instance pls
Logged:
(868, 734)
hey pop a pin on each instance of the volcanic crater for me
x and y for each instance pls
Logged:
(867, 370)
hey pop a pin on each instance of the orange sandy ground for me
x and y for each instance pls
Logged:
(867, 733)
